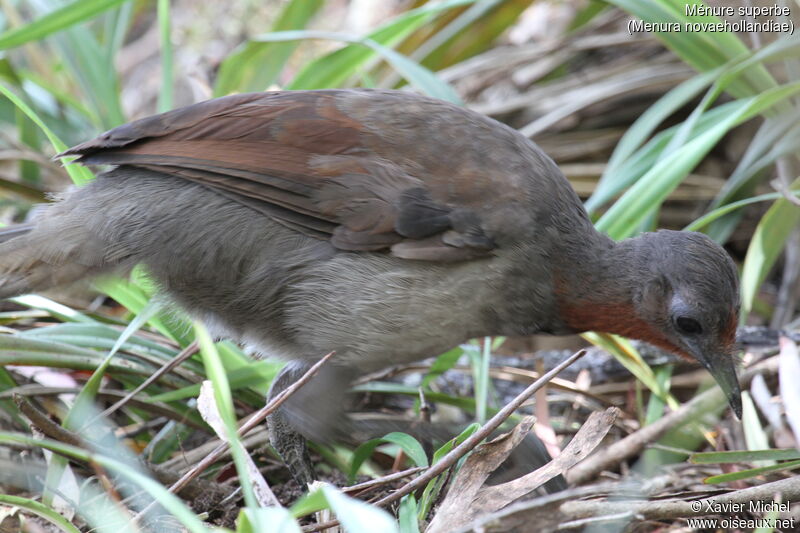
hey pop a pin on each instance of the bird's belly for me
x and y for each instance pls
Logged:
(376, 310)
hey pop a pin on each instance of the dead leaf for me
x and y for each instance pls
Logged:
(207, 407)
(466, 500)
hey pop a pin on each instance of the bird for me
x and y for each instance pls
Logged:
(383, 225)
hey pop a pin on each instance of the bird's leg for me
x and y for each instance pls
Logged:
(287, 442)
(314, 411)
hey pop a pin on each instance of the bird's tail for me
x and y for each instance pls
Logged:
(58, 249)
(6, 234)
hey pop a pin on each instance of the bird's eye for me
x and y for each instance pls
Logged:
(687, 325)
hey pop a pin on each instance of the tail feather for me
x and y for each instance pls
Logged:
(54, 251)
(10, 232)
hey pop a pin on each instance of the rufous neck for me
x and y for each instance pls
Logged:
(599, 291)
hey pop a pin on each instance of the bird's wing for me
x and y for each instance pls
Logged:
(345, 165)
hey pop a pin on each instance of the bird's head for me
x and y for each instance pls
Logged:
(689, 295)
(674, 289)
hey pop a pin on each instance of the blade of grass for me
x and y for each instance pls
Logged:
(280, 520)
(418, 76)
(643, 128)
(624, 352)
(333, 69)
(102, 337)
(60, 311)
(480, 377)
(260, 373)
(57, 20)
(79, 175)
(28, 135)
(711, 216)
(754, 435)
(222, 397)
(752, 472)
(776, 138)
(40, 510)
(116, 28)
(168, 500)
(702, 50)
(135, 294)
(86, 61)
(767, 242)
(655, 405)
(85, 399)
(407, 443)
(744, 456)
(407, 515)
(18, 350)
(625, 216)
(432, 491)
(88, 394)
(474, 13)
(167, 74)
(638, 164)
(257, 65)
(357, 516)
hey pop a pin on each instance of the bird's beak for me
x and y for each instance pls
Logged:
(722, 368)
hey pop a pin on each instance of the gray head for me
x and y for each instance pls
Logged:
(691, 297)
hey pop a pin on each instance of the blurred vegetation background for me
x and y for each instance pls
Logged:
(680, 130)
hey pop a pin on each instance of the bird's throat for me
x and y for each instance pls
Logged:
(597, 293)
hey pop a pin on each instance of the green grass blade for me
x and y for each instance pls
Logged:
(333, 69)
(78, 174)
(88, 393)
(257, 65)
(745, 456)
(60, 311)
(777, 137)
(445, 448)
(57, 20)
(752, 472)
(722, 76)
(624, 352)
(710, 217)
(643, 128)
(701, 49)
(40, 510)
(637, 165)
(767, 242)
(103, 337)
(442, 364)
(480, 376)
(224, 401)
(656, 405)
(410, 446)
(117, 28)
(165, 498)
(407, 515)
(258, 375)
(357, 516)
(66, 99)
(627, 214)
(279, 520)
(382, 387)
(418, 76)
(29, 171)
(754, 435)
(135, 294)
(167, 74)
(432, 51)
(89, 64)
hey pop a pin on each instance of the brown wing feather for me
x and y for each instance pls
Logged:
(297, 157)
